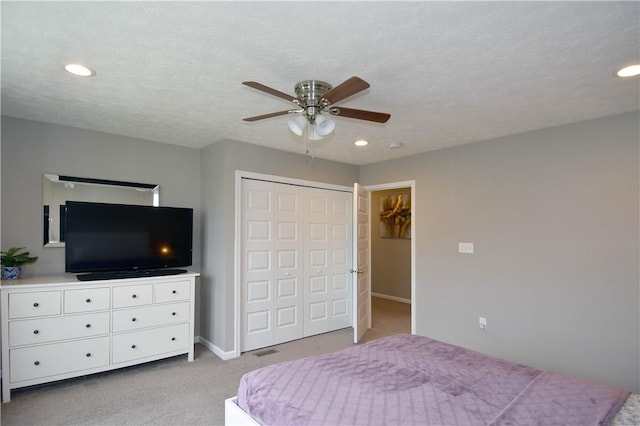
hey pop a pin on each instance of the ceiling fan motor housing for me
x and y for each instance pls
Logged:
(310, 92)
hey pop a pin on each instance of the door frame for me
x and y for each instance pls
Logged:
(397, 185)
(241, 174)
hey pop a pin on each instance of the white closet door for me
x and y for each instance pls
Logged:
(258, 218)
(296, 261)
(327, 291)
(288, 252)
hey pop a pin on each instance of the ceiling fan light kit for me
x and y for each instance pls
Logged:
(313, 98)
(297, 125)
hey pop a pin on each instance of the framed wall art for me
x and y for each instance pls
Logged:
(395, 215)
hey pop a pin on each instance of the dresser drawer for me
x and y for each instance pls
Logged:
(133, 295)
(59, 358)
(150, 316)
(173, 291)
(145, 343)
(86, 300)
(36, 304)
(27, 332)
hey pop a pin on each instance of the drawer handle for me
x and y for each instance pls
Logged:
(173, 339)
(88, 354)
(35, 332)
(36, 363)
(133, 319)
(133, 346)
(134, 296)
(88, 325)
(35, 305)
(174, 292)
(88, 300)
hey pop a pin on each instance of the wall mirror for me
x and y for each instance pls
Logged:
(58, 189)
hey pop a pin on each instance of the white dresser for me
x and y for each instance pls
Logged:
(56, 328)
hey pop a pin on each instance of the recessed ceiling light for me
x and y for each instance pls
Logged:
(80, 70)
(361, 142)
(630, 71)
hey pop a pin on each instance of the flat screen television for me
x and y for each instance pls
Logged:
(120, 240)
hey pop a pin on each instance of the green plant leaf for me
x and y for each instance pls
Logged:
(11, 257)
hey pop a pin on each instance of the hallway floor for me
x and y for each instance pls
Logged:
(388, 317)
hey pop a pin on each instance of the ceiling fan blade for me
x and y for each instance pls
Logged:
(273, 114)
(269, 90)
(360, 114)
(345, 89)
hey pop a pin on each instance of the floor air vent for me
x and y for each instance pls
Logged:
(265, 352)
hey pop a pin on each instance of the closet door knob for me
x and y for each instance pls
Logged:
(88, 325)
(133, 346)
(173, 339)
(173, 313)
(88, 355)
(88, 300)
(35, 332)
(134, 296)
(174, 292)
(35, 305)
(36, 363)
(133, 319)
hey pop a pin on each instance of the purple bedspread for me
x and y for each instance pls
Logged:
(404, 379)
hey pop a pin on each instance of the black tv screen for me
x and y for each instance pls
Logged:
(119, 237)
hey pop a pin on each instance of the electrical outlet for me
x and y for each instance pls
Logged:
(465, 248)
(482, 323)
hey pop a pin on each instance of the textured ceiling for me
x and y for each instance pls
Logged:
(449, 73)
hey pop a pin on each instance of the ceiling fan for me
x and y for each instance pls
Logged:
(313, 98)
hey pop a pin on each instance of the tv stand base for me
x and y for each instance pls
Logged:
(116, 275)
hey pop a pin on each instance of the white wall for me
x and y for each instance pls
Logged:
(554, 217)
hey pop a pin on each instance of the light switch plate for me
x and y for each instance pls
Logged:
(482, 323)
(465, 248)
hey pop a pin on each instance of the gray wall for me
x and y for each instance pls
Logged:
(219, 164)
(390, 257)
(31, 148)
(553, 215)
(554, 218)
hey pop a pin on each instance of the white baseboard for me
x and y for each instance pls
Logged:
(216, 350)
(394, 298)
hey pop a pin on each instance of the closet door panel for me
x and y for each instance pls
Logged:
(327, 256)
(296, 260)
(258, 265)
(289, 246)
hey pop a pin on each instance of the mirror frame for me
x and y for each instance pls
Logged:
(71, 181)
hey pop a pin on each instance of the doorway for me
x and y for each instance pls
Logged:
(392, 234)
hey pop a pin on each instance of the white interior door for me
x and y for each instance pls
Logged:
(258, 218)
(289, 252)
(296, 260)
(361, 263)
(327, 297)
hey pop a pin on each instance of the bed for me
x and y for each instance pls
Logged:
(406, 379)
